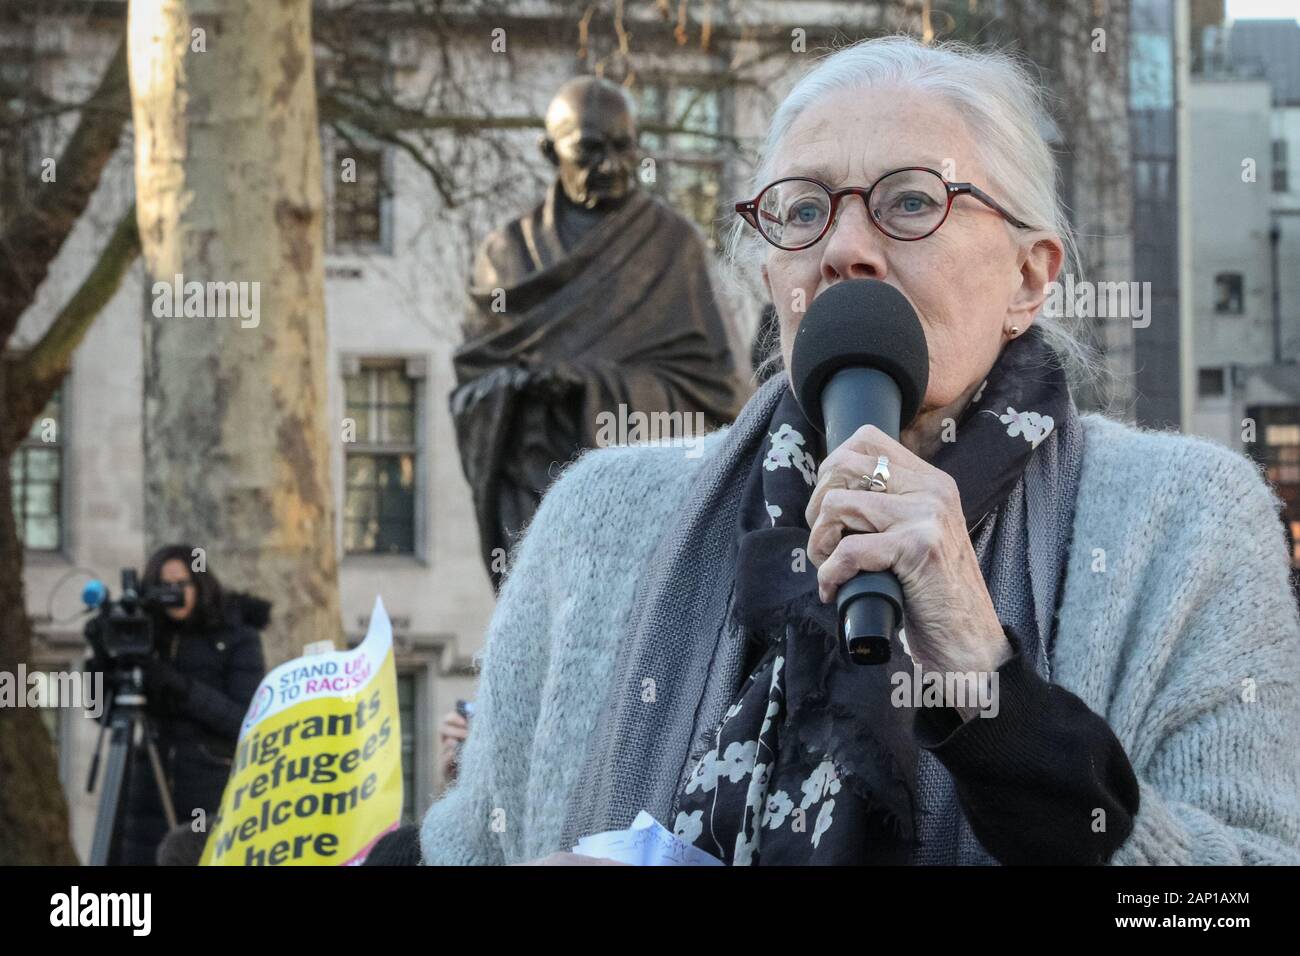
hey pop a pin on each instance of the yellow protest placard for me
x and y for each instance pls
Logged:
(317, 775)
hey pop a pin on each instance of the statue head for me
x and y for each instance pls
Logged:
(591, 139)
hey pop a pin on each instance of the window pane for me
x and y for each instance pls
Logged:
(697, 110)
(1282, 435)
(400, 426)
(40, 499)
(358, 388)
(388, 418)
(380, 503)
(652, 102)
(1211, 382)
(41, 534)
(395, 387)
(396, 505)
(1228, 292)
(42, 464)
(360, 414)
(389, 472)
(359, 536)
(361, 503)
(361, 470)
(394, 538)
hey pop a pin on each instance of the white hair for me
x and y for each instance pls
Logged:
(1005, 110)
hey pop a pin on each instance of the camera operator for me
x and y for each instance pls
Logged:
(206, 664)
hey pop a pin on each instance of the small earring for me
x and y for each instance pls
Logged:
(1015, 330)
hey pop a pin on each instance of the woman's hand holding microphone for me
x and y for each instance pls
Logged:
(917, 530)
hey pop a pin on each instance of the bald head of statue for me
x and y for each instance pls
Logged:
(591, 139)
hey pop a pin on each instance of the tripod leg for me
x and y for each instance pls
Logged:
(160, 778)
(119, 750)
(94, 761)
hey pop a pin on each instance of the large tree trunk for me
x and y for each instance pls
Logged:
(33, 812)
(229, 190)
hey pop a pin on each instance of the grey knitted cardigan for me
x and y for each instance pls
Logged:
(1176, 624)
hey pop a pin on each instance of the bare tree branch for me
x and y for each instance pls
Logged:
(35, 236)
(35, 375)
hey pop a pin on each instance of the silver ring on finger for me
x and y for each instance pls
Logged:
(878, 480)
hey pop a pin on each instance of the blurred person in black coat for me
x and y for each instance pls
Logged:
(206, 666)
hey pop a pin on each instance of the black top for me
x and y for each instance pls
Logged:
(1045, 781)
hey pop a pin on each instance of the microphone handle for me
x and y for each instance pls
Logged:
(870, 605)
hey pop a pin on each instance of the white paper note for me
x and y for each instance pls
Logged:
(645, 843)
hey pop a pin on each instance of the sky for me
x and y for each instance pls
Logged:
(1263, 9)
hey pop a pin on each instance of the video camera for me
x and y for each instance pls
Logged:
(122, 632)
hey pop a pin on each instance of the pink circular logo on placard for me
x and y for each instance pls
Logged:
(261, 704)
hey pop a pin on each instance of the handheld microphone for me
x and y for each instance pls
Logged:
(860, 358)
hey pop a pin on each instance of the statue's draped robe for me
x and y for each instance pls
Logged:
(627, 317)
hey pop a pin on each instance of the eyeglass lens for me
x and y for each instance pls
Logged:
(907, 204)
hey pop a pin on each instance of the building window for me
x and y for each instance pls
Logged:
(381, 454)
(36, 471)
(411, 739)
(1283, 444)
(358, 196)
(1228, 294)
(687, 162)
(1278, 450)
(1210, 383)
(1151, 60)
(358, 168)
(1280, 184)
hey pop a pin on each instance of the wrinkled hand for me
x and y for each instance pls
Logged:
(453, 731)
(918, 531)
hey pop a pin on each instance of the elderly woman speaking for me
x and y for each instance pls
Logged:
(666, 637)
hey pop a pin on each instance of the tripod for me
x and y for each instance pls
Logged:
(127, 724)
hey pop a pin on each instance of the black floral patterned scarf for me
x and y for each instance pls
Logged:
(812, 764)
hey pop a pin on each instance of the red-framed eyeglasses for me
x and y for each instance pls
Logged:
(905, 204)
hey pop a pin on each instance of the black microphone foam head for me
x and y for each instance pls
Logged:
(860, 323)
